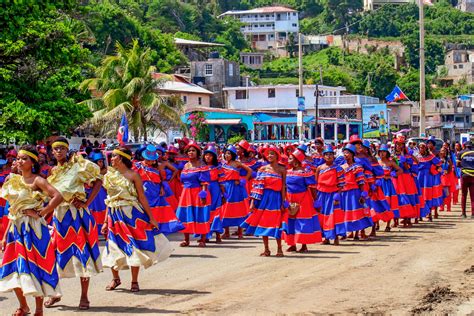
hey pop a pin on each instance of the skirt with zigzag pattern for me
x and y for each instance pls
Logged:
(76, 239)
(132, 241)
(29, 260)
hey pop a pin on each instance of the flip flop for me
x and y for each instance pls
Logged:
(51, 301)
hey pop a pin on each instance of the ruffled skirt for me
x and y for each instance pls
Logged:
(29, 260)
(76, 239)
(192, 213)
(236, 209)
(356, 215)
(132, 241)
(331, 216)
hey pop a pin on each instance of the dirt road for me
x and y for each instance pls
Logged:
(428, 268)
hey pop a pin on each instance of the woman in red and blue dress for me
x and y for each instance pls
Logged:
(133, 236)
(3, 202)
(303, 227)
(98, 207)
(448, 178)
(162, 211)
(194, 204)
(391, 171)
(244, 154)
(178, 163)
(29, 261)
(268, 202)
(45, 168)
(330, 181)
(409, 202)
(353, 197)
(216, 192)
(236, 208)
(317, 156)
(429, 180)
(168, 174)
(75, 232)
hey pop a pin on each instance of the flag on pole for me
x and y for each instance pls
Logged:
(122, 134)
(396, 95)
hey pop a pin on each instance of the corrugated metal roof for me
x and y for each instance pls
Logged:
(272, 9)
(182, 41)
(175, 86)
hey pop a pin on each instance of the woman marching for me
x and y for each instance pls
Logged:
(168, 174)
(29, 261)
(236, 208)
(75, 232)
(330, 181)
(244, 152)
(353, 198)
(133, 239)
(216, 192)
(448, 178)
(391, 172)
(162, 211)
(301, 223)
(194, 204)
(429, 180)
(268, 202)
(409, 202)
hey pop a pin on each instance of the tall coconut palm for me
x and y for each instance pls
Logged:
(124, 84)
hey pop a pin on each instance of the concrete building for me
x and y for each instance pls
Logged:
(252, 60)
(466, 5)
(191, 94)
(445, 119)
(458, 65)
(370, 5)
(214, 74)
(267, 28)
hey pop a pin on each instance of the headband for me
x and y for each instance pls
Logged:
(57, 144)
(29, 153)
(121, 153)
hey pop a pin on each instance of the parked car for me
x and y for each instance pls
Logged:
(438, 142)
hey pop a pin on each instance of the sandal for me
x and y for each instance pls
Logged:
(266, 253)
(51, 301)
(113, 285)
(134, 287)
(202, 244)
(279, 254)
(184, 244)
(387, 229)
(84, 305)
(20, 312)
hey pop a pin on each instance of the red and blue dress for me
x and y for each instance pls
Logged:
(356, 215)
(429, 180)
(131, 240)
(29, 260)
(175, 184)
(303, 227)
(97, 206)
(236, 208)
(331, 217)
(162, 211)
(388, 189)
(379, 206)
(169, 194)
(406, 187)
(253, 164)
(3, 205)
(266, 218)
(215, 207)
(192, 212)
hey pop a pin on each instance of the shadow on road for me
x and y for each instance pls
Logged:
(193, 256)
(113, 309)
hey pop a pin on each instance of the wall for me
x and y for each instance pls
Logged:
(400, 114)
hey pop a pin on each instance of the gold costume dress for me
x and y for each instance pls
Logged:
(131, 240)
(29, 260)
(75, 232)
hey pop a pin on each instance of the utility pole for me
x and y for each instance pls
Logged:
(299, 113)
(422, 69)
(316, 103)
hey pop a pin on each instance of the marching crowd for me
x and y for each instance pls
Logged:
(302, 194)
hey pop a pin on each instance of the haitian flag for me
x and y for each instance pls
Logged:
(122, 134)
(396, 95)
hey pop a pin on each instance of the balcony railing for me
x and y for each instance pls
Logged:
(348, 99)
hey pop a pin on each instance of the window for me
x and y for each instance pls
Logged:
(199, 100)
(350, 113)
(459, 119)
(231, 70)
(241, 94)
(271, 93)
(208, 69)
(297, 93)
(185, 99)
(416, 118)
(461, 66)
(294, 13)
(294, 25)
(455, 67)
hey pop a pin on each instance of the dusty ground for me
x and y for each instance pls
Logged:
(427, 269)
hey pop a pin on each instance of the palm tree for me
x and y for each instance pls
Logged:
(124, 84)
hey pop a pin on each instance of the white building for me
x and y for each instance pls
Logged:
(268, 27)
(466, 5)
